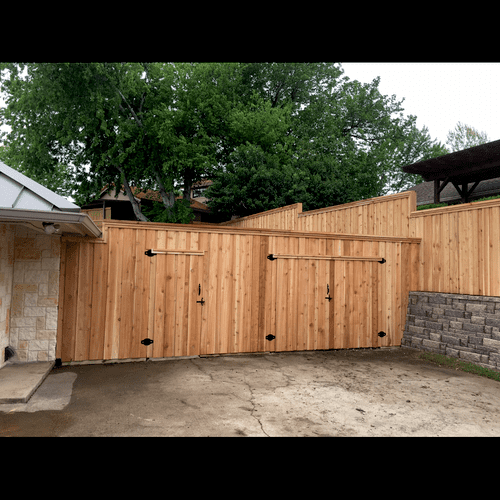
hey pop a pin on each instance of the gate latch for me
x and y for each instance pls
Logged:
(328, 292)
(270, 337)
(147, 341)
(199, 293)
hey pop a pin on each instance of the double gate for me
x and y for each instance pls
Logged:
(155, 290)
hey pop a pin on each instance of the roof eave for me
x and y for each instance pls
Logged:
(82, 222)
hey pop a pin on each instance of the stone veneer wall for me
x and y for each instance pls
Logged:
(462, 326)
(6, 274)
(34, 260)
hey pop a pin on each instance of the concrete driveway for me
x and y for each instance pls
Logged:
(366, 392)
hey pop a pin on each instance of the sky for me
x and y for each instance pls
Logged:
(440, 94)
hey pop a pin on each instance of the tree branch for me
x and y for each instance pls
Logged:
(130, 108)
(135, 206)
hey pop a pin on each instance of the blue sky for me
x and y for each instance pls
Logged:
(440, 94)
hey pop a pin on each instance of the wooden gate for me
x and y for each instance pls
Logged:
(175, 312)
(162, 290)
(326, 302)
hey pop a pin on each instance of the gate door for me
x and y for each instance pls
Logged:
(326, 302)
(178, 297)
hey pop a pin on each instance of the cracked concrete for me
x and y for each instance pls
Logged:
(324, 393)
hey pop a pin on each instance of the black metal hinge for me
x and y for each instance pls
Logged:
(328, 292)
(383, 261)
(381, 334)
(270, 337)
(271, 257)
(149, 253)
(147, 341)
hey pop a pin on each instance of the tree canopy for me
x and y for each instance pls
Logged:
(464, 136)
(267, 134)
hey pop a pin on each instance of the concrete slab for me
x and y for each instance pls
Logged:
(358, 392)
(19, 381)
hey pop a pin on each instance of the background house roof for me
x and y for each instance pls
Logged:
(21, 192)
(425, 191)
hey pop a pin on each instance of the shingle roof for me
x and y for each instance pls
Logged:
(425, 191)
(21, 192)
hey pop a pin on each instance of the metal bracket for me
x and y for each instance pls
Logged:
(381, 334)
(271, 257)
(149, 253)
(270, 337)
(200, 301)
(383, 261)
(147, 341)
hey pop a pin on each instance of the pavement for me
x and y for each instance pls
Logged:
(19, 381)
(353, 392)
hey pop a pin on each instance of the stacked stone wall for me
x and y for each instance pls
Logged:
(35, 292)
(462, 326)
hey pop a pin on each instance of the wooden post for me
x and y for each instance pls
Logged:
(436, 191)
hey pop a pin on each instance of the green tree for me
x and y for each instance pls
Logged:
(320, 138)
(344, 141)
(60, 179)
(464, 136)
(159, 126)
(254, 181)
(99, 118)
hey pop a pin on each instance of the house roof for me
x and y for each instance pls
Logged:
(156, 196)
(202, 183)
(468, 165)
(21, 192)
(425, 191)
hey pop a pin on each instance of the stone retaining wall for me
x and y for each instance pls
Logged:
(462, 326)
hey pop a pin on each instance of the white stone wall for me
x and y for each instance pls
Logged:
(35, 292)
(7, 232)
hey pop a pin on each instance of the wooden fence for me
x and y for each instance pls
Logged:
(280, 218)
(460, 250)
(278, 281)
(207, 290)
(382, 216)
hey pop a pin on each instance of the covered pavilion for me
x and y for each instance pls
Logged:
(460, 168)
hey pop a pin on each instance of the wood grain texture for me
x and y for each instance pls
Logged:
(114, 295)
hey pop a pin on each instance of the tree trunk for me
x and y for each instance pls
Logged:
(135, 206)
(188, 182)
(168, 198)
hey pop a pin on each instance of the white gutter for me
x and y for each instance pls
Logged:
(82, 221)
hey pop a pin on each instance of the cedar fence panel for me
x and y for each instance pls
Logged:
(382, 216)
(211, 290)
(460, 249)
